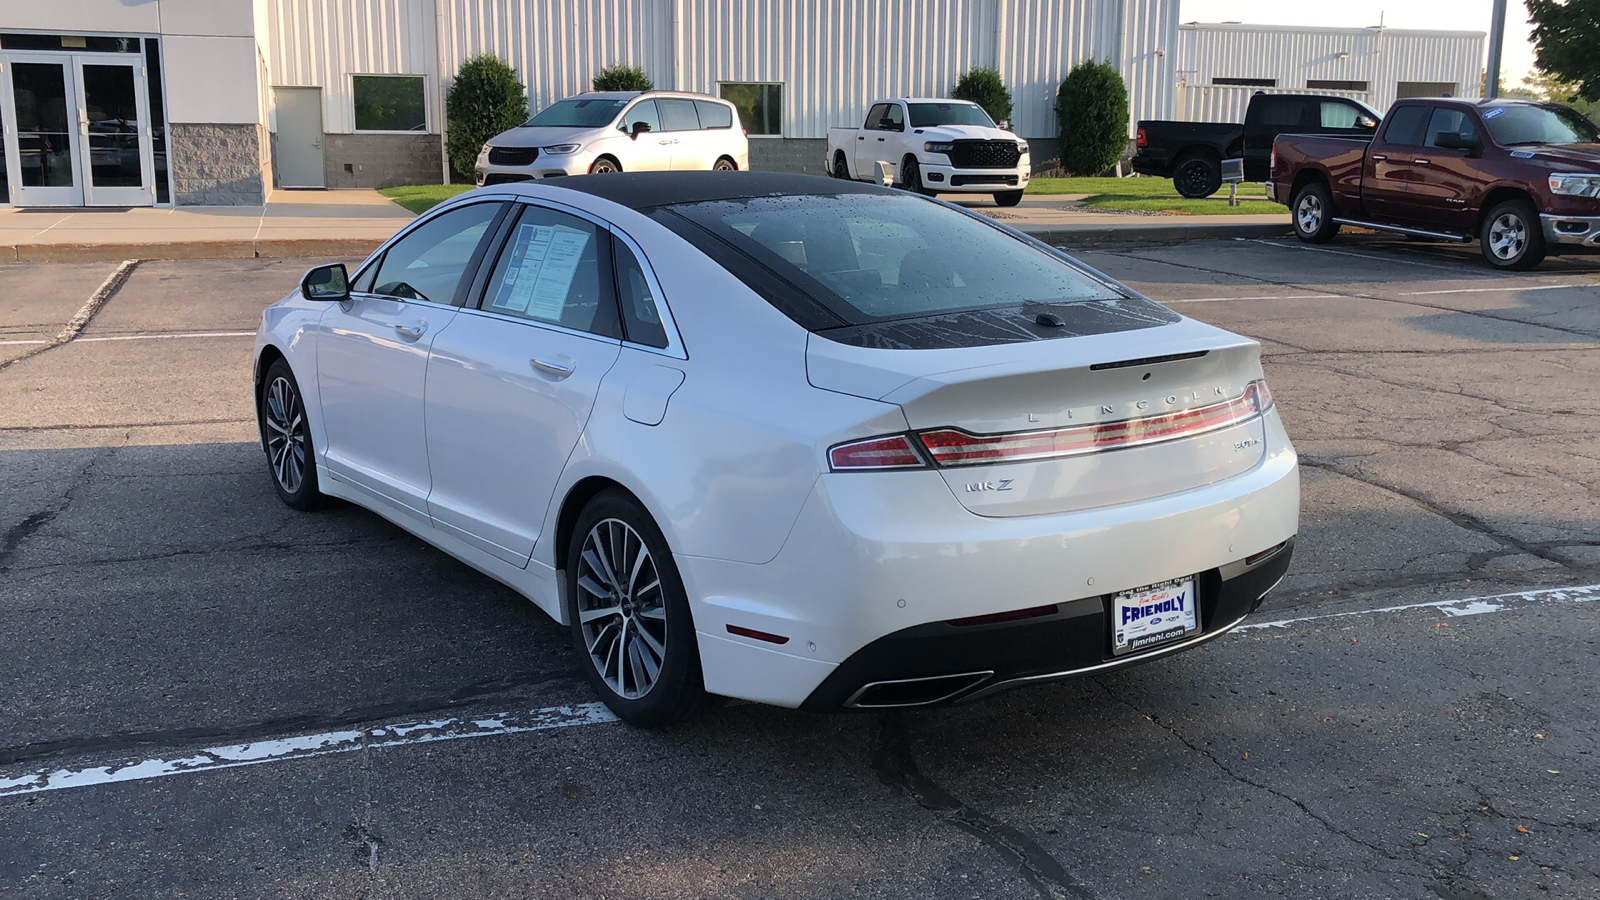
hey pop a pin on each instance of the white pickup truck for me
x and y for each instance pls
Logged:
(932, 147)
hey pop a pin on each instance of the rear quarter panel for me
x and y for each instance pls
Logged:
(1336, 160)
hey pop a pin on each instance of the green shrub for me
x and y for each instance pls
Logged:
(486, 99)
(619, 77)
(984, 87)
(1092, 114)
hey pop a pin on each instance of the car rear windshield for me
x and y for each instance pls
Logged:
(868, 258)
(927, 115)
(1514, 125)
(582, 113)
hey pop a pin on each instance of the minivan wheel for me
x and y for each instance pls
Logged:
(605, 165)
(286, 436)
(629, 614)
(724, 164)
(1512, 237)
(1313, 214)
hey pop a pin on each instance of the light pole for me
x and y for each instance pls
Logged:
(1497, 41)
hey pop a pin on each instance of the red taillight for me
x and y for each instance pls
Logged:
(1011, 616)
(954, 447)
(895, 452)
(1272, 165)
(1140, 140)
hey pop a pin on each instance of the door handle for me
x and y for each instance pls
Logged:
(1378, 157)
(663, 143)
(1423, 162)
(553, 369)
(411, 332)
(880, 140)
(861, 137)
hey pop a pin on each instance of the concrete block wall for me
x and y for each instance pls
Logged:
(217, 165)
(381, 160)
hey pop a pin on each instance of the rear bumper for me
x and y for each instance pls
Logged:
(939, 663)
(1146, 165)
(1581, 231)
(887, 560)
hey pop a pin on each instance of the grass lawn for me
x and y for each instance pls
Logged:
(1154, 194)
(419, 198)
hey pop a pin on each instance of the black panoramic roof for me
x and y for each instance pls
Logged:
(648, 190)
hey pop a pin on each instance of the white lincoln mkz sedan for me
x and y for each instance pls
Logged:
(805, 442)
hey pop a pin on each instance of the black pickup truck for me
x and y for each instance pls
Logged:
(1191, 153)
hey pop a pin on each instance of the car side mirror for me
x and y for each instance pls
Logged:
(1367, 124)
(1452, 141)
(638, 129)
(326, 283)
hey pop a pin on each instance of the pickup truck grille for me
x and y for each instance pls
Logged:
(513, 156)
(985, 155)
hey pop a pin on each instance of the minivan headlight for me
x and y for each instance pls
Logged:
(561, 149)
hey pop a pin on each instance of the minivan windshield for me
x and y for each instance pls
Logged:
(927, 115)
(1514, 125)
(873, 257)
(578, 113)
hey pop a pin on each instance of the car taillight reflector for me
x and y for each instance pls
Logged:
(894, 452)
(1140, 140)
(953, 447)
(1010, 616)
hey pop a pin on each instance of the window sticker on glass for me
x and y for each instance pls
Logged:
(544, 259)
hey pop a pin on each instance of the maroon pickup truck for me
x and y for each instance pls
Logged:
(1518, 177)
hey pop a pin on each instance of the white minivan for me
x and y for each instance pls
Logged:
(618, 131)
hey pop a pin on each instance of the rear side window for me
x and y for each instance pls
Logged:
(874, 257)
(678, 115)
(1449, 121)
(640, 316)
(1405, 126)
(551, 271)
(1285, 113)
(427, 263)
(714, 115)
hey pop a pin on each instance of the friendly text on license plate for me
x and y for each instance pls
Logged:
(1153, 615)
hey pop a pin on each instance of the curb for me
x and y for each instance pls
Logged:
(1153, 233)
(267, 248)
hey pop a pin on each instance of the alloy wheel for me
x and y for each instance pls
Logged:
(1192, 178)
(286, 434)
(621, 608)
(1508, 236)
(1308, 214)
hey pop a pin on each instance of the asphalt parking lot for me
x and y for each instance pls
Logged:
(205, 694)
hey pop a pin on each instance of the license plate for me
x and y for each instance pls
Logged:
(1147, 616)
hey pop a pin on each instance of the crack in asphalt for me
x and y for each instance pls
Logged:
(896, 765)
(275, 728)
(85, 314)
(32, 524)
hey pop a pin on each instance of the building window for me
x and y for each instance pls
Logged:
(389, 103)
(760, 106)
(1405, 89)
(1326, 85)
(1246, 82)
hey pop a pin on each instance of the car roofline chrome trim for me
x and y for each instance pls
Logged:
(1401, 229)
(998, 686)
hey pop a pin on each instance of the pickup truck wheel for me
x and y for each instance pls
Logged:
(1008, 198)
(841, 169)
(1512, 236)
(1313, 214)
(911, 177)
(1197, 177)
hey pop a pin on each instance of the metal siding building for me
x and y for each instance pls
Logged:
(1382, 63)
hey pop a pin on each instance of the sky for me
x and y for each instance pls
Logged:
(1450, 15)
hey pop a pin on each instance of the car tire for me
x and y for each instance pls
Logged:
(1008, 198)
(1196, 176)
(286, 437)
(911, 177)
(724, 164)
(1512, 236)
(623, 631)
(1312, 214)
(605, 165)
(841, 169)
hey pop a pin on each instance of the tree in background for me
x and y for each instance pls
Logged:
(486, 99)
(619, 77)
(1566, 42)
(984, 87)
(1092, 113)
(1540, 86)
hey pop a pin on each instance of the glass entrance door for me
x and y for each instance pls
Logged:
(77, 131)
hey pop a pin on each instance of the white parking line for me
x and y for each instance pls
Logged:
(1303, 246)
(1496, 290)
(17, 343)
(255, 753)
(167, 337)
(233, 756)
(1472, 606)
(1281, 297)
